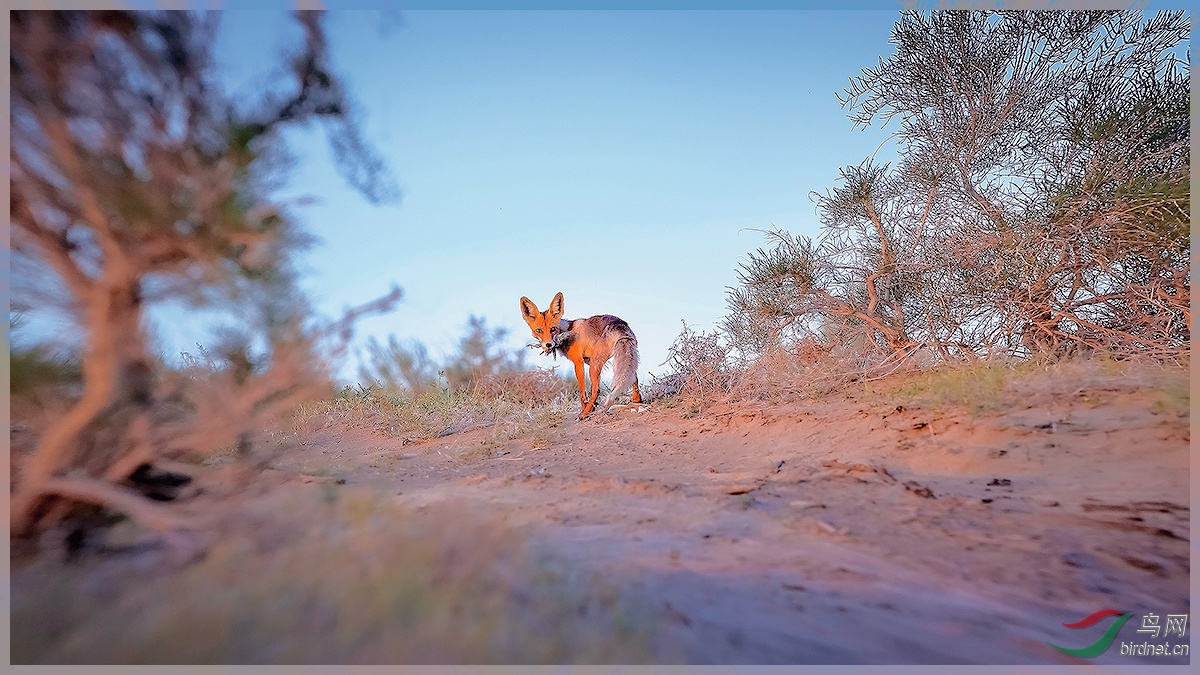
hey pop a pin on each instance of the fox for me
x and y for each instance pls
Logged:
(593, 341)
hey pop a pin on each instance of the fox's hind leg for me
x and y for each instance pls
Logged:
(637, 396)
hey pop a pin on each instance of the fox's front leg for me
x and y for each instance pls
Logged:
(583, 399)
(594, 373)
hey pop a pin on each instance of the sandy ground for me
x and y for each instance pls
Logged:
(841, 531)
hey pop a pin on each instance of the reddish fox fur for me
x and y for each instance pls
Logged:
(592, 341)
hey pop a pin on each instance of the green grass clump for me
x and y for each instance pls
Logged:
(982, 387)
(1173, 393)
(31, 368)
(987, 388)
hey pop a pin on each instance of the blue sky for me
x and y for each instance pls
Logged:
(625, 158)
(622, 158)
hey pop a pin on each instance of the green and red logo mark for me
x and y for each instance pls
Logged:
(1096, 648)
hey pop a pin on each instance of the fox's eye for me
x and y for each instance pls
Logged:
(538, 331)
(553, 331)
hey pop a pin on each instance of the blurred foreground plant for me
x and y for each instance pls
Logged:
(136, 180)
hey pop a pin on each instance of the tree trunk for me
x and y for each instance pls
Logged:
(114, 368)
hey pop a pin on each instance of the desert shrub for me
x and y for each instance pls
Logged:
(480, 354)
(481, 363)
(399, 365)
(1039, 206)
(700, 368)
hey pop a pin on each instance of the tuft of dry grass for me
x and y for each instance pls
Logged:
(513, 406)
(526, 387)
(342, 576)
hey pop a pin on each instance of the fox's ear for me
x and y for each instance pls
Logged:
(556, 307)
(529, 310)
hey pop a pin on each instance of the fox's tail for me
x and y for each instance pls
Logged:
(625, 365)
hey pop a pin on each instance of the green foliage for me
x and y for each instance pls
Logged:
(764, 304)
(32, 368)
